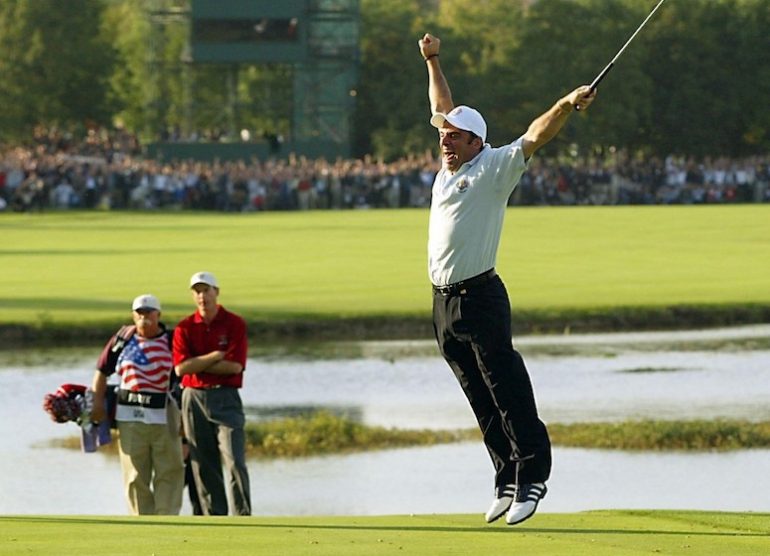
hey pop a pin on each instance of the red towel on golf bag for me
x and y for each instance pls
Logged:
(73, 402)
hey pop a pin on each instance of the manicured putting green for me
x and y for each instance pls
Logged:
(601, 533)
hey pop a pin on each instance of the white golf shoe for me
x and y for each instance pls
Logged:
(503, 500)
(527, 498)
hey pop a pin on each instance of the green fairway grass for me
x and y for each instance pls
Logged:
(83, 268)
(598, 533)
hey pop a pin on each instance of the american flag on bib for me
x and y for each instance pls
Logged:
(145, 364)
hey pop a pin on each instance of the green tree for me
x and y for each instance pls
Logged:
(56, 61)
(565, 43)
(708, 92)
(625, 105)
(151, 81)
(130, 30)
(752, 65)
(482, 45)
(391, 104)
(692, 82)
(16, 108)
(693, 88)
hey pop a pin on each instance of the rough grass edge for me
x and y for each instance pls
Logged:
(303, 328)
(323, 433)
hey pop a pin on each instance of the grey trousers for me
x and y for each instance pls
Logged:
(213, 422)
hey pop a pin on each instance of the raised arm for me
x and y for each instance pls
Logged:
(547, 126)
(439, 95)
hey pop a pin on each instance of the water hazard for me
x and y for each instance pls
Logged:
(701, 374)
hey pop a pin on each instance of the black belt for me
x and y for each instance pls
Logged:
(464, 285)
(154, 400)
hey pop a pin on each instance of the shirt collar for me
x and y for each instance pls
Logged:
(198, 318)
(476, 158)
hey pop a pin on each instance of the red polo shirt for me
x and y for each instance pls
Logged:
(193, 337)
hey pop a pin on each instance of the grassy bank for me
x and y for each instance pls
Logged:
(361, 274)
(597, 533)
(324, 433)
(656, 435)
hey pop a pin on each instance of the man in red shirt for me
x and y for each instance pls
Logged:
(210, 356)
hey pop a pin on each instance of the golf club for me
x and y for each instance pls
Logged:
(609, 66)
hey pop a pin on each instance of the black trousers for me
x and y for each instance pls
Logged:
(473, 330)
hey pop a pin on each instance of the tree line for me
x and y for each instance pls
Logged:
(694, 81)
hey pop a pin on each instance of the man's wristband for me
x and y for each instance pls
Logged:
(431, 56)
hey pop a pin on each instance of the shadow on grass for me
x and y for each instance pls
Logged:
(75, 304)
(248, 522)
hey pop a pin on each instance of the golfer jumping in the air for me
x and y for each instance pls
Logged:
(471, 311)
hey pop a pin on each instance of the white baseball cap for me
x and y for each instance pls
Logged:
(203, 278)
(146, 301)
(462, 117)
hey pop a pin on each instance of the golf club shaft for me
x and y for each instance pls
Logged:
(599, 77)
(609, 66)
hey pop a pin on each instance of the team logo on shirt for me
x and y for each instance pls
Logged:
(462, 186)
(223, 340)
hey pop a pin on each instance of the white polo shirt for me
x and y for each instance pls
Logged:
(467, 210)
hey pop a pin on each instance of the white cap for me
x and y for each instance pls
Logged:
(203, 278)
(146, 301)
(462, 117)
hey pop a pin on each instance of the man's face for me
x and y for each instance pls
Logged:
(147, 322)
(457, 146)
(205, 297)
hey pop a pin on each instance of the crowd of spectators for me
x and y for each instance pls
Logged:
(108, 171)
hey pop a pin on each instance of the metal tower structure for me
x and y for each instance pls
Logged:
(319, 38)
(325, 84)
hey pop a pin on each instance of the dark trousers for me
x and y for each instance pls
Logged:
(192, 491)
(214, 426)
(473, 330)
